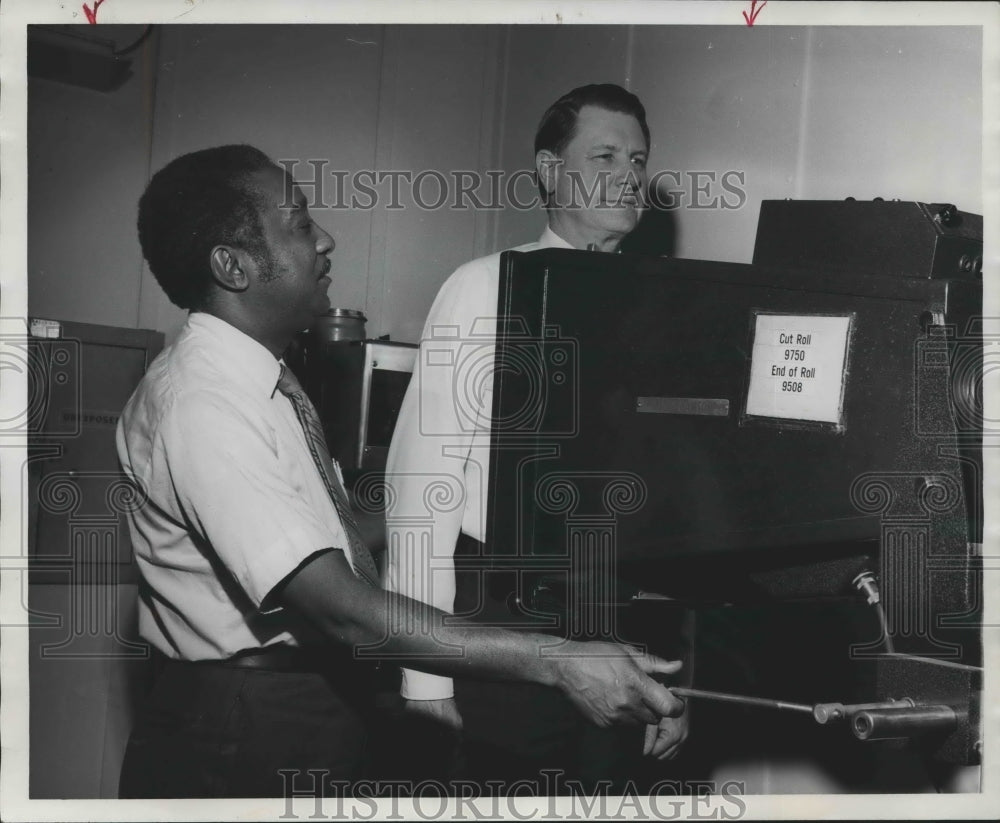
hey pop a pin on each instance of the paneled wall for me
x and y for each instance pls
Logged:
(436, 117)
(817, 113)
(297, 93)
(822, 112)
(88, 162)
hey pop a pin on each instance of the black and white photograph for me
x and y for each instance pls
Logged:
(488, 411)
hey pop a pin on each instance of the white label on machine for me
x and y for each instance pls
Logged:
(797, 367)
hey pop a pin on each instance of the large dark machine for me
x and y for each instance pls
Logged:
(806, 429)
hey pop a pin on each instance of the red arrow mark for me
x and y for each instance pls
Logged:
(92, 15)
(754, 11)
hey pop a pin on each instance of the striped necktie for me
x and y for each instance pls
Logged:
(358, 554)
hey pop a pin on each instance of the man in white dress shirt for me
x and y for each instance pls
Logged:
(591, 150)
(256, 590)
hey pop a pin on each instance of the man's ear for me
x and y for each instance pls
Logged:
(547, 167)
(228, 268)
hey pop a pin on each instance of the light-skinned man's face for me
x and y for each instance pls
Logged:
(597, 183)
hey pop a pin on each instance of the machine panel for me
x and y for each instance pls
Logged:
(644, 368)
(799, 438)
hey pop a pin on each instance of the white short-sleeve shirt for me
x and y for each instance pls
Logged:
(234, 501)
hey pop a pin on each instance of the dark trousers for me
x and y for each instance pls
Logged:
(214, 731)
(520, 731)
(513, 731)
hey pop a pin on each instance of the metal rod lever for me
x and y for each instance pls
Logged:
(869, 721)
(760, 702)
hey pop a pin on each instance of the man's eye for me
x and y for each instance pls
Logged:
(640, 162)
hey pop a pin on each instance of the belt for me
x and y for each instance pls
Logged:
(282, 658)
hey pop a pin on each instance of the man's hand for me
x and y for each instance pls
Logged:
(610, 683)
(443, 711)
(664, 739)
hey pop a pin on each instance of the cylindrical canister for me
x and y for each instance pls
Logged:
(339, 324)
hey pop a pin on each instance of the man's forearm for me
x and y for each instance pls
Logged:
(382, 624)
(422, 637)
(608, 682)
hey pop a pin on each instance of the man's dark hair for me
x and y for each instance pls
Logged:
(194, 203)
(558, 124)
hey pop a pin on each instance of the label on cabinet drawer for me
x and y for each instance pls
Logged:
(797, 367)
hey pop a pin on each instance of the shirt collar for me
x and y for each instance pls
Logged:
(551, 240)
(245, 358)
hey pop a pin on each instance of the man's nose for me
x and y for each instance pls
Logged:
(324, 241)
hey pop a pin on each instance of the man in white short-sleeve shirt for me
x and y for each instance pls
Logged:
(208, 425)
(591, 149)
(257, 590)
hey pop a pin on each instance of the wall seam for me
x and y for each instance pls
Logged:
(800, 155)
(379, 227)
(500, 110)
(150, 59)
(489, 118)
